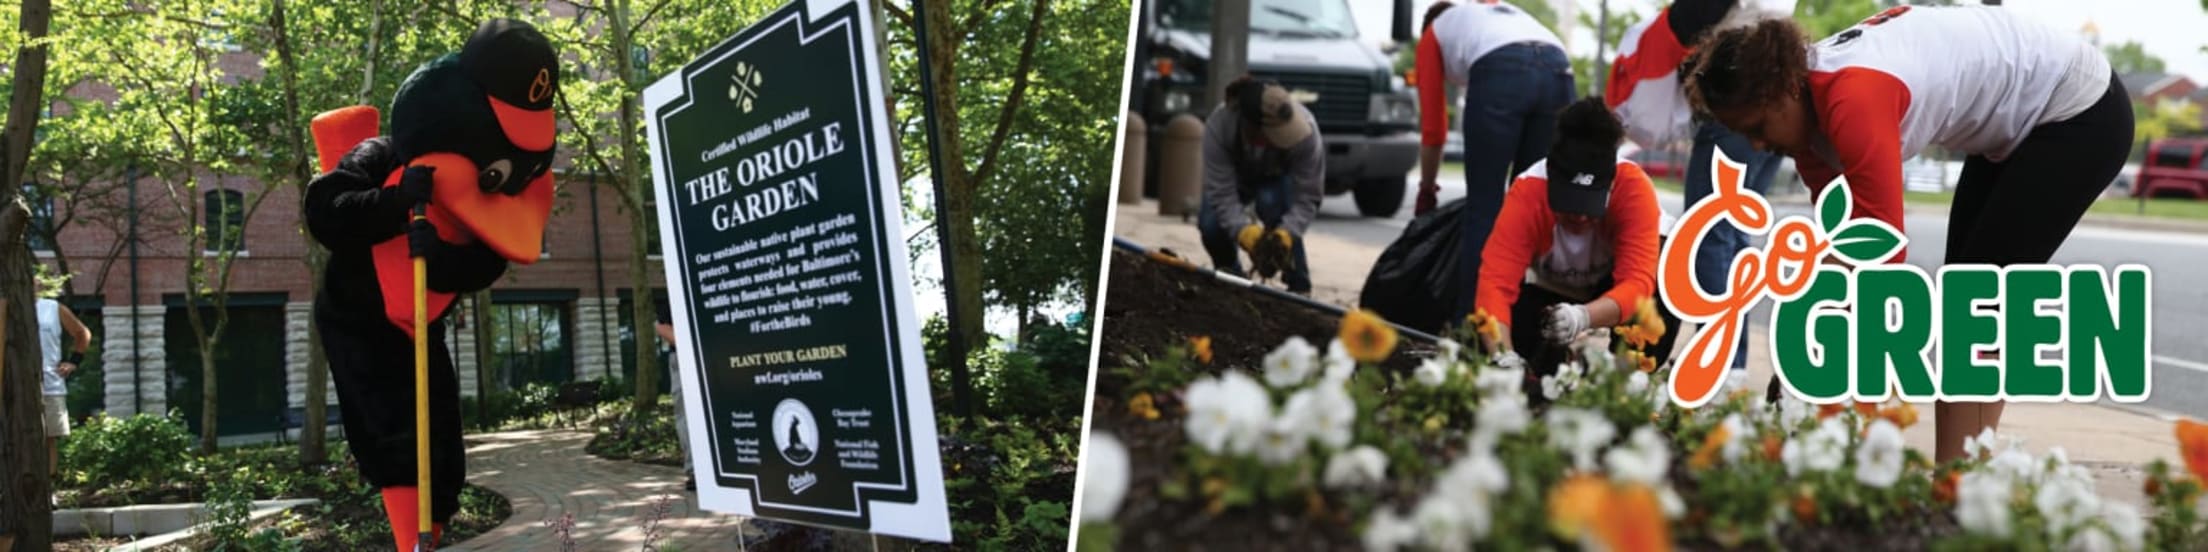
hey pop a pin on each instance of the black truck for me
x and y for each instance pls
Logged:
(1367, 115)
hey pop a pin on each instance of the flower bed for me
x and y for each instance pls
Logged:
(1226, 419)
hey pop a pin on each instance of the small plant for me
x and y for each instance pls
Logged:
(652, 518)
(141, 449)
(563, 528)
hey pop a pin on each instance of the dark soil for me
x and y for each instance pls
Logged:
(1153, 307)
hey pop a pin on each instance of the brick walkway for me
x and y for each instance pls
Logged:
(546, 474)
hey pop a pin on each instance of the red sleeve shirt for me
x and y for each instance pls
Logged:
(1433, 101)
(1525, 230)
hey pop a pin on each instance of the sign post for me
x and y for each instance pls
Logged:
(786, 267)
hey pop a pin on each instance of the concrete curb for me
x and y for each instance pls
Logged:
(171, 522)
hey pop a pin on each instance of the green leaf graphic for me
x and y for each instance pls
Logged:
(1832, 209)
(1866, 241)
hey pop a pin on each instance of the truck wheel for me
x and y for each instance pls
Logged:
(1380, 198)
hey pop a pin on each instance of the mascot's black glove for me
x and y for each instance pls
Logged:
(416, 184)
(421, 239)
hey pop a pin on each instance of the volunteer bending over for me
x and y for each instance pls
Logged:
(1586, 223)
(2039, 112)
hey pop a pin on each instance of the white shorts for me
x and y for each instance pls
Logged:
(56, 415)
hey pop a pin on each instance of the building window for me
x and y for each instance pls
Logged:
(225, 221)
(42, 218)
(530, 341)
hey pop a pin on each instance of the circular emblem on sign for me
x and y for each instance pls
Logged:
(795, 435)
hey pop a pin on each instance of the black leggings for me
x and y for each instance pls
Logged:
(2021, 210)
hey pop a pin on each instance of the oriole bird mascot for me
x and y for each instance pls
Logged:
(459, 188)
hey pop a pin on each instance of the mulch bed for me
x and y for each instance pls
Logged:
(1153, 307)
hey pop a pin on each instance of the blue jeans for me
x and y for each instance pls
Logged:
(1724, 240)
(1511, 99)
(1273, 202)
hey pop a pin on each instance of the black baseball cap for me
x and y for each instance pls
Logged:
(517, 69)
(1580, 179)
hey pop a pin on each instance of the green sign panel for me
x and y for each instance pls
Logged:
(779, 212)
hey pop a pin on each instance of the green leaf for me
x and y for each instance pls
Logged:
(1833, 207)
(1867, 241)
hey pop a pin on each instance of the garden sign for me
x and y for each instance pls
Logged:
(780, 218)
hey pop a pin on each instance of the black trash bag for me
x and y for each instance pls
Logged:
(1414, 283)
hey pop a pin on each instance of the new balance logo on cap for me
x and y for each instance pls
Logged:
(1584, 179)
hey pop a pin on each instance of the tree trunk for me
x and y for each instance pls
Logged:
(957, 216)
(643, 312)
(207, 397)
(314, 434)
(25, 512)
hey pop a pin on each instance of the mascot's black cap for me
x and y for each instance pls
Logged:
(516, 67)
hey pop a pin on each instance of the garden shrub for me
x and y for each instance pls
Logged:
(112, 451)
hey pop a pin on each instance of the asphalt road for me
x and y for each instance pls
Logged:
(2179, 262)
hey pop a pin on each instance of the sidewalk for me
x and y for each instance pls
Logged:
(2115, 442)
(546, 474)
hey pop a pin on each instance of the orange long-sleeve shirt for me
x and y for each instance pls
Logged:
(1525, 231)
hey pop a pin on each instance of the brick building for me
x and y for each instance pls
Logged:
(563, 318)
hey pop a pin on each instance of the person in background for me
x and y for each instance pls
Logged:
(2040, 113)
(1515, 77)
(1586, 223)
(1262, 153)
(666, 330)
(56, 324)
(1644, 89)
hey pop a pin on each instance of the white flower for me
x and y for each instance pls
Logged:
(1338, 364)
(2091, 539)
(1479, 473)
(1509, 360)
(1388, 531)
(1356, 467)
(1579, 432)
(1496, 417)
(1441, 525)
(1642, 459)
(1554, 386)
(1636, 384)
(2066, 504)
(1290, 363)
(1431, 373)
(1674, 507)
(1982, 503)
(1501, 382)
(1822, 449)
(1740, 435)
(1226, 413)
(1329, 411)
(1792, 412)
(1878, 459)
(2014, 465)
(1103, 478)
(2125, 524)
(1449, 350)
(1282, 440)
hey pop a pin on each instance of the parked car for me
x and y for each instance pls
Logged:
(2173, 169)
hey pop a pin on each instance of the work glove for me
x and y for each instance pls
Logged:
(421, 239)
(415, 184)
(1565, 321)
(1274, 254)
(1248, 237)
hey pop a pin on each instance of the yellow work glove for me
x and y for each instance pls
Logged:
(1248, 237)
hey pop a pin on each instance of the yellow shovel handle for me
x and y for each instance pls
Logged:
(421, 399)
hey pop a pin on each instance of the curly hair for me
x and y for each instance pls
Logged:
(1433, 12)
(1588, 124)
(1747, 67)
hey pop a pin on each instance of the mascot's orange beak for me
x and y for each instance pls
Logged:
(512, 225)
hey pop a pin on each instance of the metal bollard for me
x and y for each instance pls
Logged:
(1181, 166)
(1131, 157)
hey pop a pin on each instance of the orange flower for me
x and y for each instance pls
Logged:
(1648, 364)
(1143, 406)
(1367, 337)
(2153, 487)
(2192, 440)
(1575, 503)
(1943, 490)
(1805, 508)
(1484, 325)
(1902, 415)
(1645, 328)
(1200, 348)
(1706, 456)
(1773, 447)
(1633, 521)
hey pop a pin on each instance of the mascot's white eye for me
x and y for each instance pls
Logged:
(493, 177)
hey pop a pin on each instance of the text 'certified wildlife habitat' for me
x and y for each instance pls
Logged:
(796, 337)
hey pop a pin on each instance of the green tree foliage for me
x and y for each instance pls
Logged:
(2131, 57)
(1822, 18)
